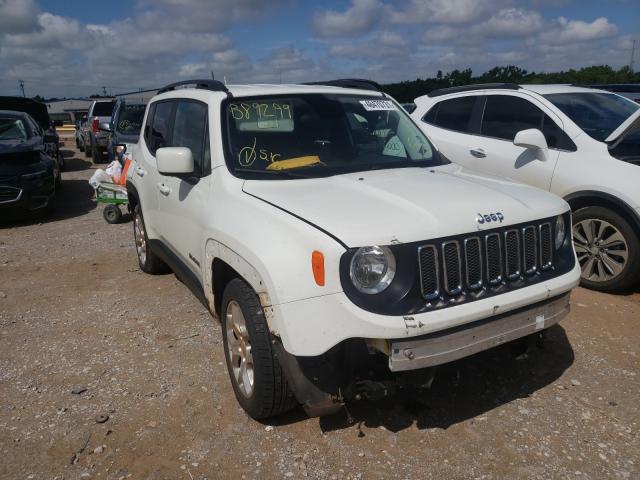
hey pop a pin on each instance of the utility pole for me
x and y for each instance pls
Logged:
(633, 54)
(212, 77)
(104, 91)
(21, 82)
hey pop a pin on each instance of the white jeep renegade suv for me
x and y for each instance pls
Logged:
(322, 228)
(581, 144)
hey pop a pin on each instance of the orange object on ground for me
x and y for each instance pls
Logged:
(123, 176)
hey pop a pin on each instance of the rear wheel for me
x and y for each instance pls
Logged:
(96, 154)
(147, 259)
(607, 248)
(257, 378)
(87, 149)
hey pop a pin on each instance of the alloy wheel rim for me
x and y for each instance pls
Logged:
(141, 242)
(601, 249)
(239, 349)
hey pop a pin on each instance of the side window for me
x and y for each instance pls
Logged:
(504, 116)
(147, 127)
(189, 130)
(453, 114)
(161, 126)
(556, 138)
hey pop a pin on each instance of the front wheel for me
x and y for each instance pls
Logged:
(257, 378)
(608, 250)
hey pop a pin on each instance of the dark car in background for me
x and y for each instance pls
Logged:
(29, 177)
(126, 123)
(38, 112)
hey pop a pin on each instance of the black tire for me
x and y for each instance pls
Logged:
(87, 149)
(614, 281)
(150, 262)
(96, 154)
(112, 214)
(271, 394)
(77, 143)
(61, 162)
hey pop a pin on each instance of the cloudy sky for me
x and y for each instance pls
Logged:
(73, 48)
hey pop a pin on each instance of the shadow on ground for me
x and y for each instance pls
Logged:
(74, 199)
(73, 162)
(461, 391)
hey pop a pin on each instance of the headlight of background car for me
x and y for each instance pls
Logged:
(372, 269)
(561, 231)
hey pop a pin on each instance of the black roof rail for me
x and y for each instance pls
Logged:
(477, 86)
(203, 84)
(358, 83)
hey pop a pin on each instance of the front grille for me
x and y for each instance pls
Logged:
(473, 257)
(452, 267)
(456, 267)
(512, 254)
(8, 194)
(546, 252)
(429, 278)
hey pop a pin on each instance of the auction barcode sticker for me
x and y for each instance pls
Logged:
(372, 105)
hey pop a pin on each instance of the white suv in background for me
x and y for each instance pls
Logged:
(322, 228)
(579, 143)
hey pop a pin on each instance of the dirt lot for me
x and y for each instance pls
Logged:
(77, 315)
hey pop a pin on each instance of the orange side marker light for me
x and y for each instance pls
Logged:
(317, 265)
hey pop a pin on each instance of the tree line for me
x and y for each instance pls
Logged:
(408, 90)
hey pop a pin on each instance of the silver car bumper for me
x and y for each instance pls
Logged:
(442, 347)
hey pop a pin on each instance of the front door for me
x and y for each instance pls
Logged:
(183, 200)
(494, 152)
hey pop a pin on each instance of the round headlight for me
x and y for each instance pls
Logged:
(561, 231)
(372, 269)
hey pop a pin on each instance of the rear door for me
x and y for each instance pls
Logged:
(157, 134)
(450, 127)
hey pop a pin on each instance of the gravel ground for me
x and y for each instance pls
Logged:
(106, 372)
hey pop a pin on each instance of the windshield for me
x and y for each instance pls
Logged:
(313, 135)
(103, 109)
(12, 129)
(598, 114)
(130, 119)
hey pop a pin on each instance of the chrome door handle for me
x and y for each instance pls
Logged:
(164, 189)
(140, 171)
(477, 152)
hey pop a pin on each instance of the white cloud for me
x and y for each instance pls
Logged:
(511, 22)
(18, 16)
(444, 11)
(579, 31)
(359, 18)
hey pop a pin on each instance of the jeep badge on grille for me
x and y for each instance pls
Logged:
(490, 217)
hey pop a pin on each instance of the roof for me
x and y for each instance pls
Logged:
(247, 90)
(269, 89)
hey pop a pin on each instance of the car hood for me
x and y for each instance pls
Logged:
(406, 205)
(629, 126)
